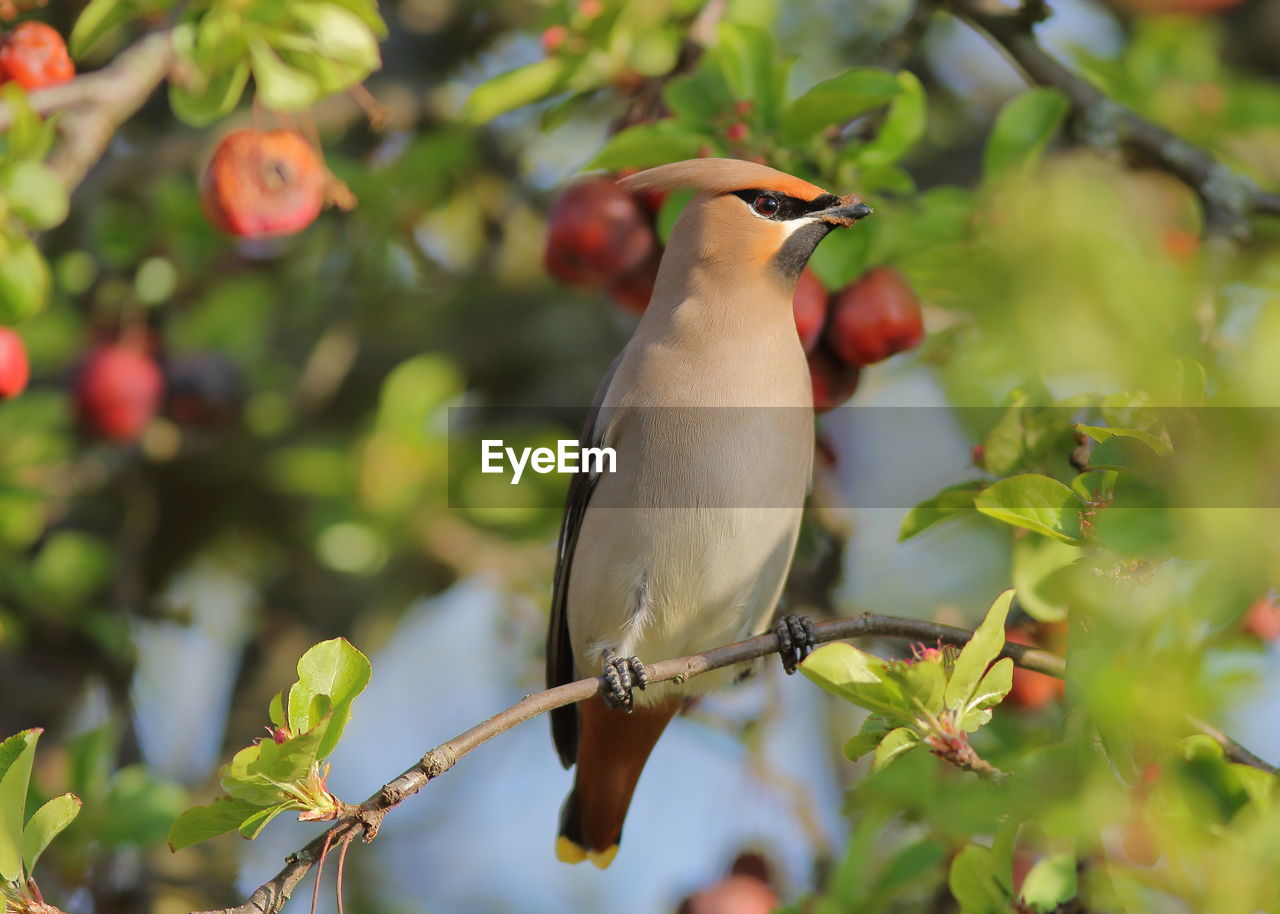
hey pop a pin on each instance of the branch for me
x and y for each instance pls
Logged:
(365, 819)
(1229, 197)
(96, 104)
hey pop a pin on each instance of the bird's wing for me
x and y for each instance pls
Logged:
(560, 665)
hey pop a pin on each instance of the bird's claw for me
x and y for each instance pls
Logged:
(621, 676)
(795, 640)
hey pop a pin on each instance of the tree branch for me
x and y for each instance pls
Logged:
(365, 819)
(96, 104)
(1229, 197)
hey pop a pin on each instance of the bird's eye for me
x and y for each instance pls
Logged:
(765, 205)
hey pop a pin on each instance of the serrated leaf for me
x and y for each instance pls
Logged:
(200, 823)
(1050, 883)
(253, 825)
(836, 101)
(16, 755)
(953, 501)
(514, 89)
(975, 882)
(902, 128)
(894, 744)
(46, 824)
(1034, 502)
(1124, 452)
(646, 145)
(1102, 433)
(1023, 129)
(971, 665)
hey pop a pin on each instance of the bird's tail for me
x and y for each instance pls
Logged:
(612, 750)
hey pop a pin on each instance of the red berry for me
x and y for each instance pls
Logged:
(833, 381)
(261, 184)
(1031, 691)
(117, 392)
(634, 290)
(1263, 619)
(875, 317)
(810, 306)
(553, 37)
(597, 234)
(735, 894)
(590, 8)
(736, 132)
(34, 56)
(14, 368)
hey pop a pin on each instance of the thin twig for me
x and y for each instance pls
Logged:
(1229, 197)
(366, 819)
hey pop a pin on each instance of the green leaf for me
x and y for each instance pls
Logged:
(1023, 129)
(30, 136)
(1050, 883)
(836, 101)
(46, 824)
(975, 882)
(1102, 433)
(698, 98)
(36, 194)
(1124, 452)
(200, 823)
(25, 281)
(275, 711)
(139, 808)
(873, 730)
(16, 755)
(995, 685)
(902, 128)
(1034, 502)
(514, 89)
(856, 676)
(748, 59)
(953, 501)
(977, 654)
(280, 86)
(646, 145)
(1040, 567)
(289, 761)
(253, 825)
(242, 779)
(212, 100)
(340, 36)
(893, 745)
(335, 669)
(96, 21)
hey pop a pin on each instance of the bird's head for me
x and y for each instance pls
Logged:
(748, 217)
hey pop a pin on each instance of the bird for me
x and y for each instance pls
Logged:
(687, 543)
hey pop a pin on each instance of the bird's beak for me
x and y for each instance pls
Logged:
(847, 212)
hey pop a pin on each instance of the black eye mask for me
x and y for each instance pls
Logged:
(787, 207)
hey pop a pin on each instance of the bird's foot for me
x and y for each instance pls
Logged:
(621, 676)
(795, 640)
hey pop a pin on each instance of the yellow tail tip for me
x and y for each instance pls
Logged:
(603, 858)
(569, 851)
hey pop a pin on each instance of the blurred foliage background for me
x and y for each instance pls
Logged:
(294, 485)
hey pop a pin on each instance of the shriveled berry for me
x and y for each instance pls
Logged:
(263, 184)
(34, 56)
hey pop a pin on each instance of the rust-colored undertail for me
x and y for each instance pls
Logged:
(612, 750)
